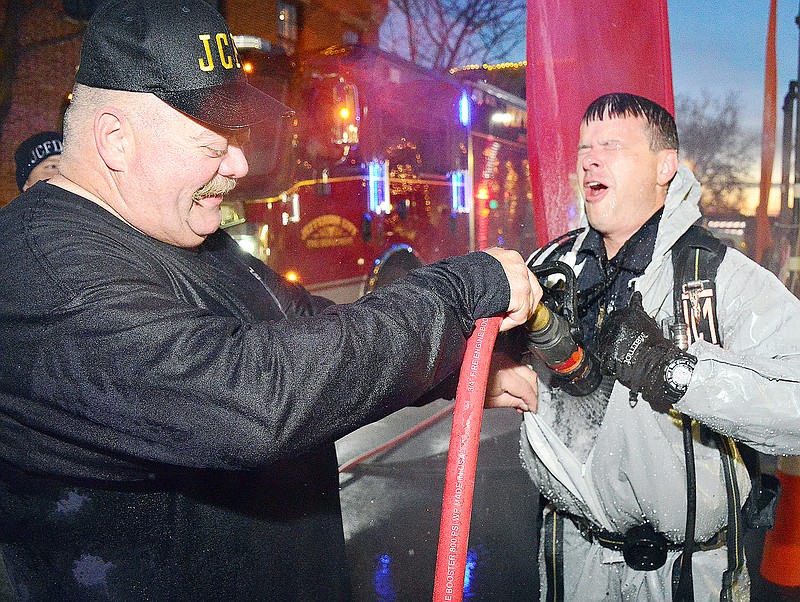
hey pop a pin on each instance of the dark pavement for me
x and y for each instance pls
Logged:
(392, 509)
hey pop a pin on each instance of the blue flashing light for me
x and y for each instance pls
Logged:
(378, 186)
(382, 580)
(458, 187)
(469, 573)
(464, 109)
(374, 187)
(572, 212)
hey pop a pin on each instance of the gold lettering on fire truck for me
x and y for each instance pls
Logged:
(328, 231)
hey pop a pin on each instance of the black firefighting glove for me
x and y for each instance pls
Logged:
(633, 349)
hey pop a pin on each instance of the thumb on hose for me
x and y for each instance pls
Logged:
(525, 291)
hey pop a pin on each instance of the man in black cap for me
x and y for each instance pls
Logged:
(37, 159)
(168, 404)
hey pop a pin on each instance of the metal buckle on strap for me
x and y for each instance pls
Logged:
(642, 547)
(692, 290)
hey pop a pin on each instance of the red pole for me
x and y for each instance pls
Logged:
(578, 50)
(462, 458)
(763, 238)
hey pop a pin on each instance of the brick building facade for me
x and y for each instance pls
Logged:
(40, 49)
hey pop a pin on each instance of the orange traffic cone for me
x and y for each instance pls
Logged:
(780, 562)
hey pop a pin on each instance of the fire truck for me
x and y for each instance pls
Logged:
(383, 166)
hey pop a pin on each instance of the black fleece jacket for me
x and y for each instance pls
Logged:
(167, 416)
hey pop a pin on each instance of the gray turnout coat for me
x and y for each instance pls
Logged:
(633, 468)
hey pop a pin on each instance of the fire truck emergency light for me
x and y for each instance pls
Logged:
(458, 184)
(463, 109)
(377, 173)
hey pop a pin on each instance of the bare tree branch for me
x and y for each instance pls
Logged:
(719, 151)
(441, 34)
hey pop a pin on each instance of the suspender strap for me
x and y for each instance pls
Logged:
(683, 591)
(727, 450)
(554, 555)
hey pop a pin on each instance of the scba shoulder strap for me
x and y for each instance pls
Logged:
(696, 257)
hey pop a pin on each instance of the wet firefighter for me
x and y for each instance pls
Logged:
(612, 465)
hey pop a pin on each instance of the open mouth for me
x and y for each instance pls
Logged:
(594, 189)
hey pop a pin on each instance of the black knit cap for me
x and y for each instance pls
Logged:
(33, 151)
(179, 50)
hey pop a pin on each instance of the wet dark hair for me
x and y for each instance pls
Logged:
(661, 130)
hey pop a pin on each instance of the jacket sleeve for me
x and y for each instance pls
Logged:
(123, 377)
(750, 390)
(293, 298)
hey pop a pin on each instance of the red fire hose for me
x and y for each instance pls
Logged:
(462, 458)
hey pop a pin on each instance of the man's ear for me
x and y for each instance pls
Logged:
(667, 166)
(112, 137)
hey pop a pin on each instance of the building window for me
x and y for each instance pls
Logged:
(287, 26)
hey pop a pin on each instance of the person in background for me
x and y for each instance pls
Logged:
(168, 404)
(37, 158)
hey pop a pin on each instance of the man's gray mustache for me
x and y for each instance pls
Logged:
(219, 186)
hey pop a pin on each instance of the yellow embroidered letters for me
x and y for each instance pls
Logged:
(225, 51)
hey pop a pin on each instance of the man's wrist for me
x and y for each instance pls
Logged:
(678, 373)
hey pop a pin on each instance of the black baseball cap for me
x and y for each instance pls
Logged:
(182, 51)
(33, 151)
